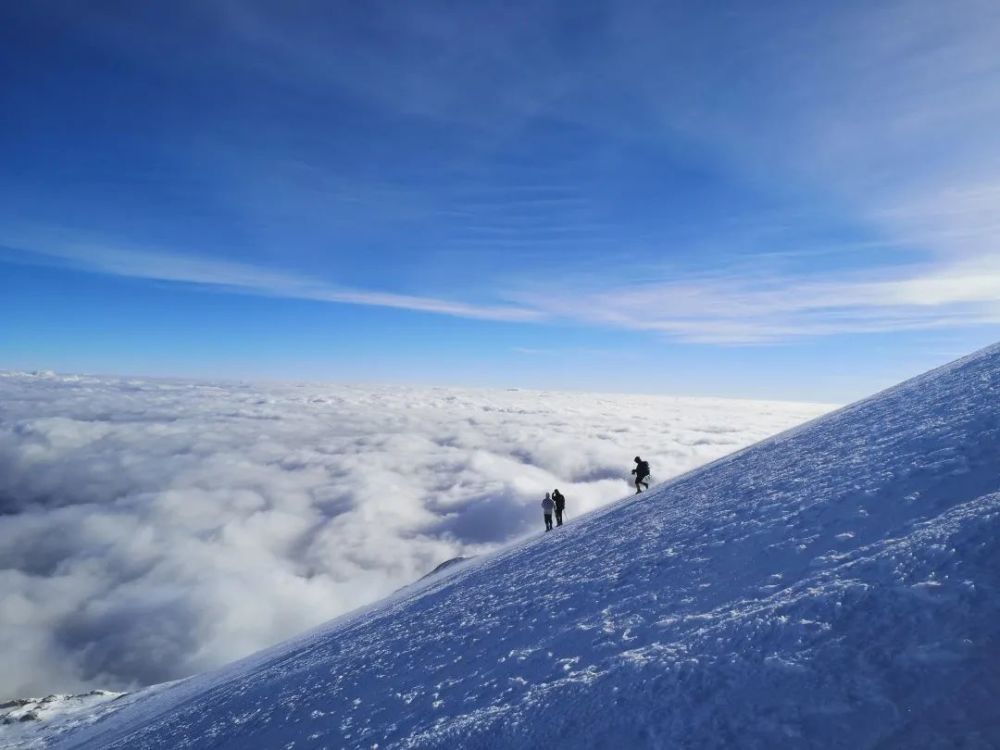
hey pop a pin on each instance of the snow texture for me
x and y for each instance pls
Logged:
(28, 721)
(153, 529)
(834, 586)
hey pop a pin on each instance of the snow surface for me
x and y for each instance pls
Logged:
(835, 586)
(26, 721)
(213, 519)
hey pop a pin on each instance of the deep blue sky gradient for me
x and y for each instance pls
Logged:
(534, 164)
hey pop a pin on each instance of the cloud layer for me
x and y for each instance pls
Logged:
(152, 529)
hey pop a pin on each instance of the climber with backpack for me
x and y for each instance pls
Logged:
(560, 501)
(641, 472)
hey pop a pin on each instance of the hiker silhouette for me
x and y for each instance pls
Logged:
(641, 472)
(560, 501)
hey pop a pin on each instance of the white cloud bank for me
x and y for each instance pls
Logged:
(152, 529)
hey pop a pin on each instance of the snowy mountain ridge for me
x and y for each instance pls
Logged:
(834, 586)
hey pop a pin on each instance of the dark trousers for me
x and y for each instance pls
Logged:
(559, 516)
(548, 522)
(638, 481)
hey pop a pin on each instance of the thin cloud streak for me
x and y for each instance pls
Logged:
(712, 308)
(755, 309)
(251, 279)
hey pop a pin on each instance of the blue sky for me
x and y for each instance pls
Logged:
(782, 201)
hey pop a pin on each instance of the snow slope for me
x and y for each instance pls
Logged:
(834, 586)
(26, 721)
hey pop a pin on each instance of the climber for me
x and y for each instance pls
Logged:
(547, 506)
(560, 501)
(641, 472)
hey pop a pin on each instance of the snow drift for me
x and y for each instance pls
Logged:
(834, 586)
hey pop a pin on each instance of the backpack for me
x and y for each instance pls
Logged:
(642, 470)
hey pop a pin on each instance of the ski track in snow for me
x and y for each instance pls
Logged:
(834, 586)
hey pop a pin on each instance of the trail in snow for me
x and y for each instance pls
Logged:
(835, 586)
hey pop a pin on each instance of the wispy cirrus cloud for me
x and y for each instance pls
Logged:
(723, 308)
(881, 116)
(245, 278)
(762, 308)
(885, 114)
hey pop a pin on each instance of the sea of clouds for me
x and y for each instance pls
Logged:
(151, 529)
